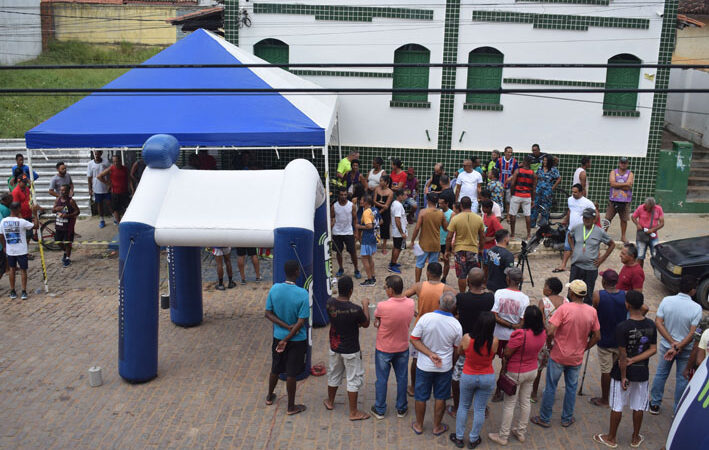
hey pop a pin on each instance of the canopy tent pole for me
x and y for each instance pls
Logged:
(35, 216)
(339, 146)
(326, 153)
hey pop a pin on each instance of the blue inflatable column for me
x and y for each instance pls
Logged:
(139, 275)
(296, 244)
(321, 268)
(185, 267)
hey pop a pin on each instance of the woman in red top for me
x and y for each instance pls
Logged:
(521, 354)
(478, 379)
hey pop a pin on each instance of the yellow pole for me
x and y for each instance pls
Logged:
(33, 202)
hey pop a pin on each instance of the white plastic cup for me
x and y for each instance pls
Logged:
(95, 377)
(418, 251)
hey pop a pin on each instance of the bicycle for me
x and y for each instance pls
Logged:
(244, 20)
(47, 234)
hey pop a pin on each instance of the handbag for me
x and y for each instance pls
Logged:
(505, 383)
(641, 235)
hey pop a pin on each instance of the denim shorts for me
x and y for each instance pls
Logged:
(439, 382)
(368, 249)
(426, 256)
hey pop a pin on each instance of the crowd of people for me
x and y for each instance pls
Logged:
(452, 336)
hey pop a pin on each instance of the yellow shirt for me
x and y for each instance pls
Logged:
(344, 166)
(466, 226)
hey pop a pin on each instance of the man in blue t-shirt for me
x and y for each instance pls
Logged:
(288, 307)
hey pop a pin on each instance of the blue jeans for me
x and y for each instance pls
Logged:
(643, 247)
(383, 362)
(475, 390)
(663, 371)
(571, 378)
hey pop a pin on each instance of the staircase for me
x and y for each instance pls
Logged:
(76, 161)
(698, 187)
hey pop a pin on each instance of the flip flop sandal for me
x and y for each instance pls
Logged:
(414, 428)
(329, 408)
(451, 412)
(538, 421)
(298, 409)
(599, 438)
(270, 398)
(445, 428)
(569, 423)
(364, 416)
(642, 439)
(557, 270)
(596, 401)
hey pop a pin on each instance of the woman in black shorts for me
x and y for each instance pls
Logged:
(383, 196)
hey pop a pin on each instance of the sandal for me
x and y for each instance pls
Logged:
(298, 409)
(413, 427)
(568, 423)
(642, 439)
(451, 411)
(538, 421)
(329, 408)
(599, 438)
(598, 401)
(445, 428)
(558, 270)
(270, 398)
(458, 442)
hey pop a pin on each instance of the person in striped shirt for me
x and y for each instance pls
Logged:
(507, 165)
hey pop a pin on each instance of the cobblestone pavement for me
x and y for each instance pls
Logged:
(212, 378)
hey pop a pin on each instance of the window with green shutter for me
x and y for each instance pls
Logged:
(272, 50)
(484, 78)
(411, 77)
(621, 78)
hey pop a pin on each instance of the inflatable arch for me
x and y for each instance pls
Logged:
(190, 209)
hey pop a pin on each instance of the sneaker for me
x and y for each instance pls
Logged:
(396, 265)
(115, 222)
(24, 295)
(270, 256)
(101, 224)
(220, 287)
(231, 285)
(340, 273)
(520, 437)
(402, 412)
(66, 262)
(374, 411)
(259, 279)
(368, 283)
(242, 282)
(654, 409)
(357, 275)
(63, 257)
(13, 294)
(394, 269)
(495, 437)
(443, 280)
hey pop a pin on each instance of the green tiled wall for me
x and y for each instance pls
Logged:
(343, 13)
(483, 106)
(560, 21)
(450, 55)
(405, 104)
(537, 81)
(575, 2)
(231, 21)
(340, 73)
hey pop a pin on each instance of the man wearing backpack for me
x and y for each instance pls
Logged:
(368, 226)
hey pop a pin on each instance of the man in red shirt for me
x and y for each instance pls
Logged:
(632, 276)
(117, 177)
(398, 176)
(21, 195)
(524, 185)
(206, 161)
(648, 218)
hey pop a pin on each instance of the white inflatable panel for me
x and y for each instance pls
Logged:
(226, 208)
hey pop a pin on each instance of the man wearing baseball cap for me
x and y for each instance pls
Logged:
(585, 240)
(621, 194)
(575, 329)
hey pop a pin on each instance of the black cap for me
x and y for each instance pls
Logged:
(623, 159)
(589, 213)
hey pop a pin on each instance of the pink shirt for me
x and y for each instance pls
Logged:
(574, 322)
(396, 315)
(643, 216)
(527, 350)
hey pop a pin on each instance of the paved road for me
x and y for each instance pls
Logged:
(212, 378)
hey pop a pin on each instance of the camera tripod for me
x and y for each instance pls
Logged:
(522, 261)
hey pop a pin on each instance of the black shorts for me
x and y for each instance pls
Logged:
(243, 251)
(292, 360)
(14, 261)
(443, 249)
(398, 243)
(63, 234)
(344, 241)
(3, 262)
(119, 202)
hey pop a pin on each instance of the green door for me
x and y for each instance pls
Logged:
(484, 77)
(272, 50)
(622, 78)
(411, 77)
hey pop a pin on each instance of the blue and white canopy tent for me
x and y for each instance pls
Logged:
(254, 121)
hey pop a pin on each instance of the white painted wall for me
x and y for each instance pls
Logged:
(21, 38)
(688, 114)
(562, 127)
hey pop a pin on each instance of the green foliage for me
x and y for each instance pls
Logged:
(21, 113)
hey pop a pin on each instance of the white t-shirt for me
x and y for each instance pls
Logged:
(440, 332)
(496, 210)
(469, 184)
(13, 228)
(397, 210)
(577, 179)
(93, 170)
(576, 208)
(373, 179)
(704, 340)
(509, 305)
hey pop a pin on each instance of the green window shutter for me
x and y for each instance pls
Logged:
(411, 77)
(622, 78)
(484, 77)
(272, 50)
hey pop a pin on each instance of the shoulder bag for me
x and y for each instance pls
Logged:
(641, 235)
(506, 384)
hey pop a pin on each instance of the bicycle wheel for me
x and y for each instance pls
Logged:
(559, 204)
(46, 233)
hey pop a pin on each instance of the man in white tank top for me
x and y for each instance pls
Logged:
(580, 176)
(342, 215)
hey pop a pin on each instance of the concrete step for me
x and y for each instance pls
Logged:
(697, 196)
(699, 163)
(698, 180)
